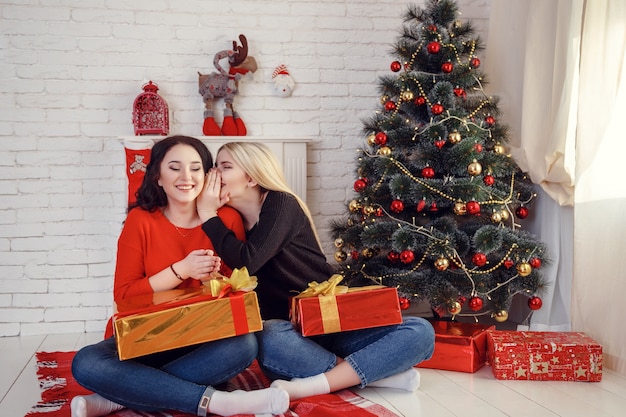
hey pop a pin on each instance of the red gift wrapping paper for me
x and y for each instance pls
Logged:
(544, 356)
(356, 309)
(458, 346)
(182, 317)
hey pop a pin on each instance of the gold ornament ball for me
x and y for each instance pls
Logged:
(384, 99)
(475, 168)
(524, 269)
(384, 151)
(338, 242)
(354, 206)
(442, 264)
(460, 209)
(499, 149)
(368, 210)
(371, 139)
(454, 308)
(408, 96)
(454, 137)
(504, 214)
(496, 217)
(367, 253)
(501, 316)
(340, 256)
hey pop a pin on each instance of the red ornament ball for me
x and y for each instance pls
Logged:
(433, 47)
(437, 109)
(407, 256)
(396, 66)
(432, 28)
(535, 262)
(489, 180)
(475, 303)
(490, 120)
(354, 254)
(380, 138)
(459, 92)
(420, 101)
(447, 67)
(359, 185)
(405, 303)
(397, 206)
(521, 212)
(472, 207)
(440, 143)
(535, 303)
(428, 172)
(508, 264)
(475, 62)
(390, 105)
(393, 256)
(479, 259)
(478, 147)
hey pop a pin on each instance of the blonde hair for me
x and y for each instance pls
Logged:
(260, 163)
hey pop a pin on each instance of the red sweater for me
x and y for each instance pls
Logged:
(149, 243)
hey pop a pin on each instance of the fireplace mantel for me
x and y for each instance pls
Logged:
(291, 153)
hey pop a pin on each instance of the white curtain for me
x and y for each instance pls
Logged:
(558, 67)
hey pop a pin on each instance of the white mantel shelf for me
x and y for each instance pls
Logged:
(290, 151)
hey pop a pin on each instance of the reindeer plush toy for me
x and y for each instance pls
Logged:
(225, 85)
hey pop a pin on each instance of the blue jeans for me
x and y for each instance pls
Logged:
(172, 380)
(373, 353)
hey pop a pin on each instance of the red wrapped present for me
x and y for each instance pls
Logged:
(544, 356)
(458, 346)
(183, 317)
(329, 308)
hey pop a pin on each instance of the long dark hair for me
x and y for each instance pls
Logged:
(150, 195)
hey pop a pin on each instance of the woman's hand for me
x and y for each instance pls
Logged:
(210, 200)
(200, 264)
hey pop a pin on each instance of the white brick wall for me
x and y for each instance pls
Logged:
(69, 74)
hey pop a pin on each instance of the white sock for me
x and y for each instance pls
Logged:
(304, 387)
(93, 406)
(408, 380)
(262, 401)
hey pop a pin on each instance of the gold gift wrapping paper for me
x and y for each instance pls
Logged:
(197, 322)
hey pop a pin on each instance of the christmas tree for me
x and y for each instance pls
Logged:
(438, 200)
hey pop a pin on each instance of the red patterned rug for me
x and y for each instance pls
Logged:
(59, 387)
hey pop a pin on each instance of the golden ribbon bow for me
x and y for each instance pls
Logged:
(328, 287)
(239, 280)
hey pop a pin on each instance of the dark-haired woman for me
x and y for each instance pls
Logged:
(161, 247)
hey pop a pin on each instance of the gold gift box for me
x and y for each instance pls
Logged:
(177, 318)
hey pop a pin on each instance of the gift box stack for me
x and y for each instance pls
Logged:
(183, 317)
(328, 308)
(544, 356)
(458, 346)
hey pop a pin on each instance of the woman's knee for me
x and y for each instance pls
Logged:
(422, 336)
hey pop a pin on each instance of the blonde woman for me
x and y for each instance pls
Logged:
(282, 249)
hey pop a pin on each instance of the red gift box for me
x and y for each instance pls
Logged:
(359, 308)
(458, 346)
(544, 356)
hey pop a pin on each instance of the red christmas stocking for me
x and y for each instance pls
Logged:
(136, 163)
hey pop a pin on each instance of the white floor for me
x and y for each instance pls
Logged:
(442, 393)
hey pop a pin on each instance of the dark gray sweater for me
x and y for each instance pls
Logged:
(280, 250)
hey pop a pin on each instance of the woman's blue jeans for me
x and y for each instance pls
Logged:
(373, 353)
(172, 380)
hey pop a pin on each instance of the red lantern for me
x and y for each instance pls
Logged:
(150, 112)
